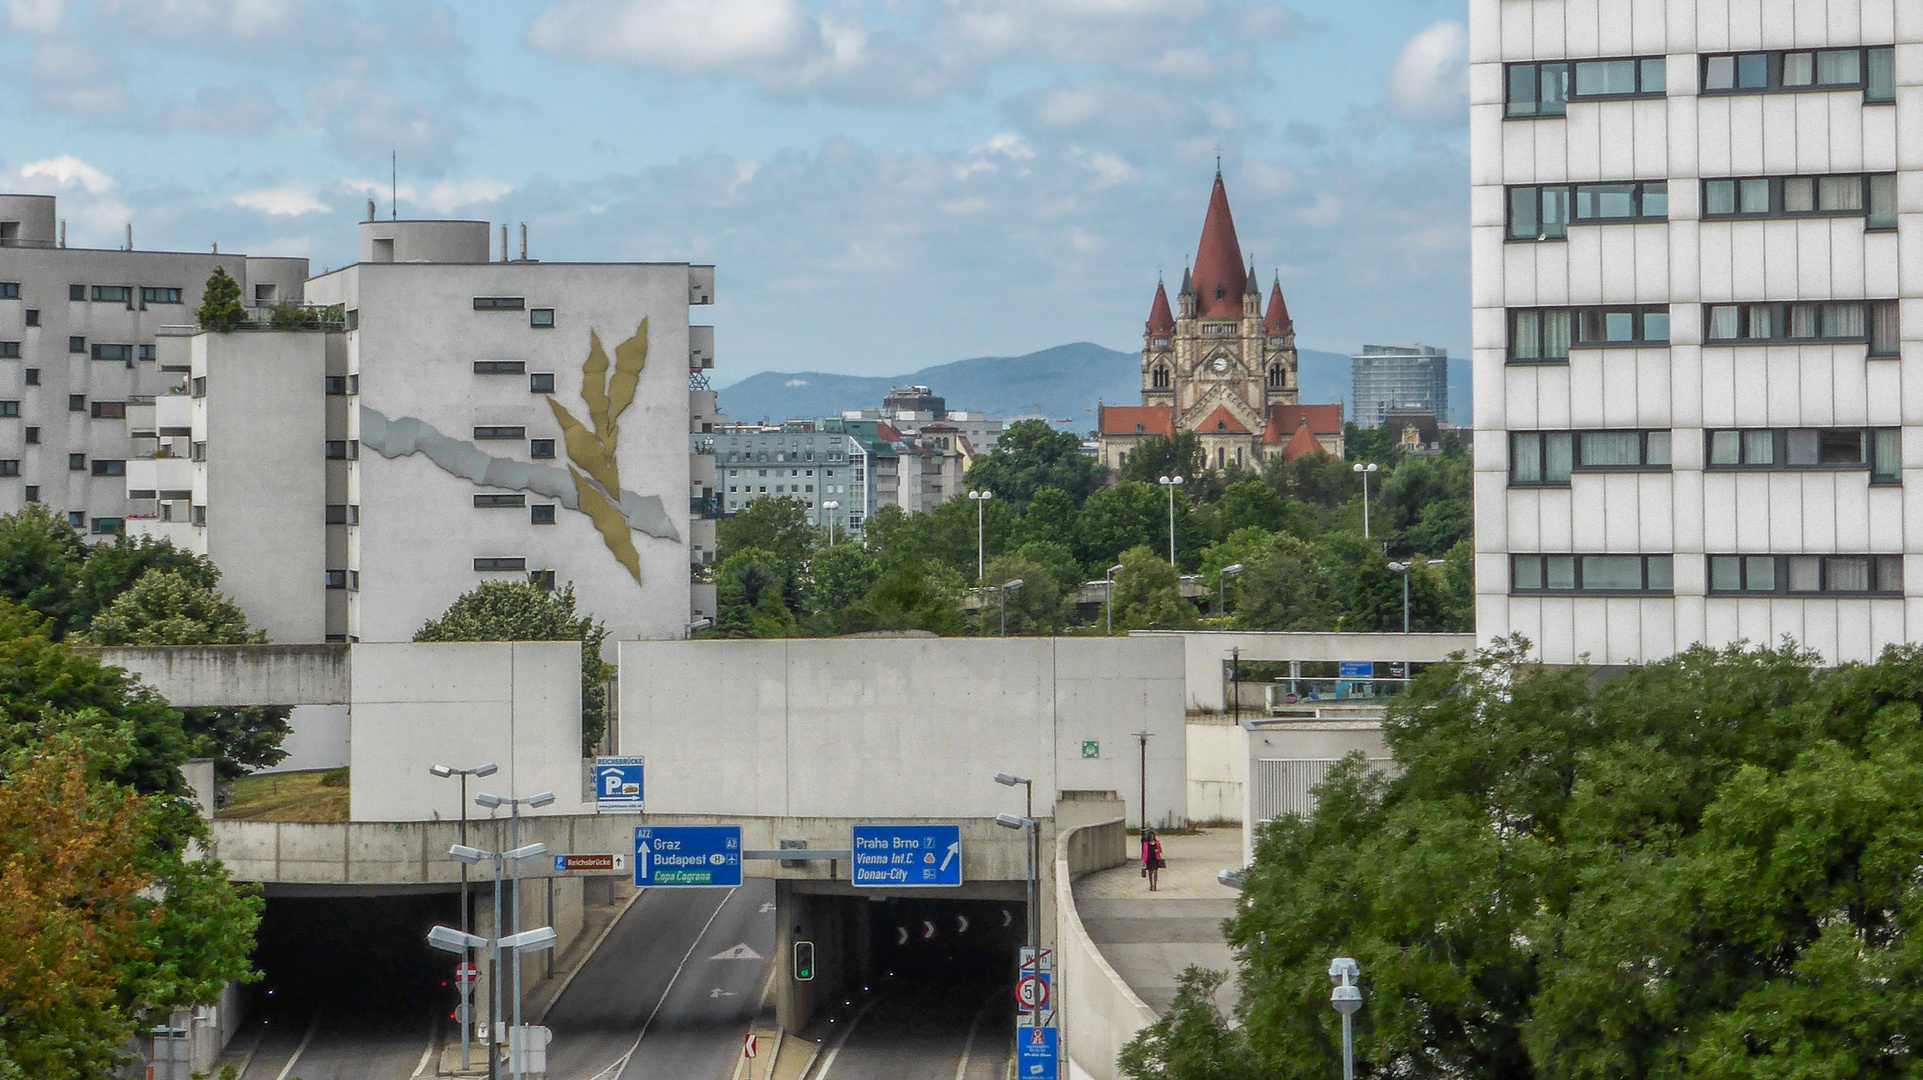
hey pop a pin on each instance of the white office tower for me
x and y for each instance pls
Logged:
(78, 367)
(447, 420)
(1697, 281)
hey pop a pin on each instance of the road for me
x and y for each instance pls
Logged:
(656, 1000)
(923, 1031)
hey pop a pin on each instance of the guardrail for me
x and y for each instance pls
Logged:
(1100, 1014)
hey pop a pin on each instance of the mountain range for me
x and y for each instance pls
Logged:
(1063, 384)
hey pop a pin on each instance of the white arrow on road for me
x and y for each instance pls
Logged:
(954, 852)
(739, 952)
(767, 907)
(717, 992)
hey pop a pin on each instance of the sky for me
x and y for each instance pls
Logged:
(883, 185)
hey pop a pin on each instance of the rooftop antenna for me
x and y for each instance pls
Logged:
(393, 185)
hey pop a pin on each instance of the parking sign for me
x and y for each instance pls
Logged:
(618, 785)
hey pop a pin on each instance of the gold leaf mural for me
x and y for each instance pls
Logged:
(592, 451)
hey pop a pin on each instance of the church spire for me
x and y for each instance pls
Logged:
(1219, 276)
(1255, 285)
(1161, 320)
(1277, 321)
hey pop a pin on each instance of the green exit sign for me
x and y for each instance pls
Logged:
(1091, 749)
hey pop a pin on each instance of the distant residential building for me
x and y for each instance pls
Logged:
(1416, 431)
(915, 399)
(908, 408)
(830, 472)
(1397, 377)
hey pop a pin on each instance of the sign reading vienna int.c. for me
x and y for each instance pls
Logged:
(907, 856)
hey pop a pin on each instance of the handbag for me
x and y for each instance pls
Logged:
(1144, 871)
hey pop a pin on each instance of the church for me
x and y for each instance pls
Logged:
(1222, 365)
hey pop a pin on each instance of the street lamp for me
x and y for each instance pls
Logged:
(1365, 470)
(1143, 737)
(1403, 569)
(445, 771)
(1110, 580)
(821, 511)
(452, 940)
(1006, 588)
(1171, 483)
(980, 499)
(1034, 827)
(699, 625)
(1346, 998)
(494, 802)
(1222, 589)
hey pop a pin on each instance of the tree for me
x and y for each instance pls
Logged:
(749, 589)
(1153, 459)
(1251, 504)
(781, 527)
(1052, 517)
(911, 596)
(1439, 526)
(1191, 1041)
(522, 611)
(1148, 594)
(1282, 587)
(1038, 607)
(40, 556)
(111, 569)
(1031, 456)
(1133, 514)
(839, 575)
(220, 309)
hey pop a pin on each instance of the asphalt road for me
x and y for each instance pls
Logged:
(921, 1031)
(654, 1001)
(360, 1046)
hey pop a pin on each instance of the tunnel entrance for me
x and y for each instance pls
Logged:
(946, 941)
(354, 957)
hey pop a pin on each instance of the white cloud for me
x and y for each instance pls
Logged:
(286, 200)
(67, 172)
(1129, 112)
(35, 16)
(239, 110)
(447, 196)
(700, 36)
(1430, 81)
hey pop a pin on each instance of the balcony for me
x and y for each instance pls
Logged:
(700, 348)
(160, 474)
(180, 533)
(173, 415)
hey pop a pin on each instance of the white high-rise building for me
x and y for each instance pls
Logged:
(1698, 243)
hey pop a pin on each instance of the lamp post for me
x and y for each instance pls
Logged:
(1112, 571)
(1403, 569)
(494, 802)
(1005, 588)
(1143, 737)
(1364, 471)
(452, 940)
(445, 771)
(1346, 998)
(1171, 483)
(1222, 589)
(821, 512)
(1033, 828)
(698, 625)
(980, 499)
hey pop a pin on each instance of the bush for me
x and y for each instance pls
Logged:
(337, 778)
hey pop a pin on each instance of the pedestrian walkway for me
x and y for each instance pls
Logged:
(1151, 937)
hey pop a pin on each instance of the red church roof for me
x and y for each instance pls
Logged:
(1302, 444)
(1221, 420)
(1277, 320)
(1284, 419)
(1138, 420)
(1219, 274)
(1161, 320)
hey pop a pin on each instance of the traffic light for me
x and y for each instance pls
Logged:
(804, 961)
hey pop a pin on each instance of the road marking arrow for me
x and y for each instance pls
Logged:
(739, 952)
(767, 907)
(717, 992)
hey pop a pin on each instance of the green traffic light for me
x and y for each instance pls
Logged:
(804, 961)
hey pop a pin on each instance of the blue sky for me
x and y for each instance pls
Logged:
(883, 184)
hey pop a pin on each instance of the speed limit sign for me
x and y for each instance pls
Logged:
(1032, 993)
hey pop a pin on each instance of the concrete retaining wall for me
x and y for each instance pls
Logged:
(1218, 768)
(1099, 1012)
(212, 675)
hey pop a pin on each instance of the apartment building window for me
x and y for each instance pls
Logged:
(1548, 458)
(1545, 335)
(1871, 70)
(500, 563)
(109, 410)
(337, 579)
(198, 451)
(33, 376)
(77, 345)
(353, 581)
(541, 514)
(77, 293)
(10, 467)
(1879, 450)
(198, 387)
(76, 403)
(541, 318)
(9, 410)
(343, 513)
(150, 294)
(1805, 575)
(77, 518)
(1545, 212)
(1807, 322)
(343, 385)
(500, 303)
(122, 353)
(112, 294)
(541, 449)
(1871, 196)
(499, 367)
(1600, 575)
(343, 450)
(499, 431)
(105, 467)
(9, 350)
(541, 382)
(33, 491)
(108, 526)
(541, 579)
(1545, 90)
(147, 353)
(488, 501)
(33, 316)
(33, 436)
(353, 318)
(9, 290)
(76, 463)
(197, 515)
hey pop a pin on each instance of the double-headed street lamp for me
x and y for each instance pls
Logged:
(1346, 998)
(495, 802)
(1033, 828)
(1221, 588)
(460, 941)
(1110, 582)
(1005, 588)
(822, 511)
(445, 771)
(980, 499)
(1171, 483)
(1403, 569)
(1364, 471)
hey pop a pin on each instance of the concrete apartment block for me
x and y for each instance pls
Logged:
(1692, 324)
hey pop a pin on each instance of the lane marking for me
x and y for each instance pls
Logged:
(302, 1048)
(961, 1069)
(829, 1061)
(589, 955)
(433, 1038)
(620, 1064)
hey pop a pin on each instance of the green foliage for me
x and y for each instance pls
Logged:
(1191, 1041)
(337, 778)
(1699, 868)
(1282, 587)
(166, 607)
(521, 611)
(1134, 514)
(288, 315)
(110, 570)
(220, 309)
(1031, 456)
(1148, 594)
(749, 589)
(1039, 606)
(913, 595)
(839, 575)
(40, 558)
(1153, 459)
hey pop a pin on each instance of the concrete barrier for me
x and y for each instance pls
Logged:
(209, 676)
(1099, 1013)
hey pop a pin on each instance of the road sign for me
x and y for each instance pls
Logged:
(1027, 973)
(588, 864)
(1028, 960)
(1035, 1059)
(1031, 992)
(466, 973)
(618, 785)
(1354, 669)
(748, 1045)
(907, 856)
(695, 856)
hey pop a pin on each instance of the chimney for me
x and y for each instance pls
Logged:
(523, 241)
(130, 236)
(63, 232)
(503, 241)
(217, 247)
(370, 209)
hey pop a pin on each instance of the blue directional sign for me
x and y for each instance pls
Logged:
(617, 784)
(1355, 669)
(697, 856)
(907, 856)
(1036, 1059)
